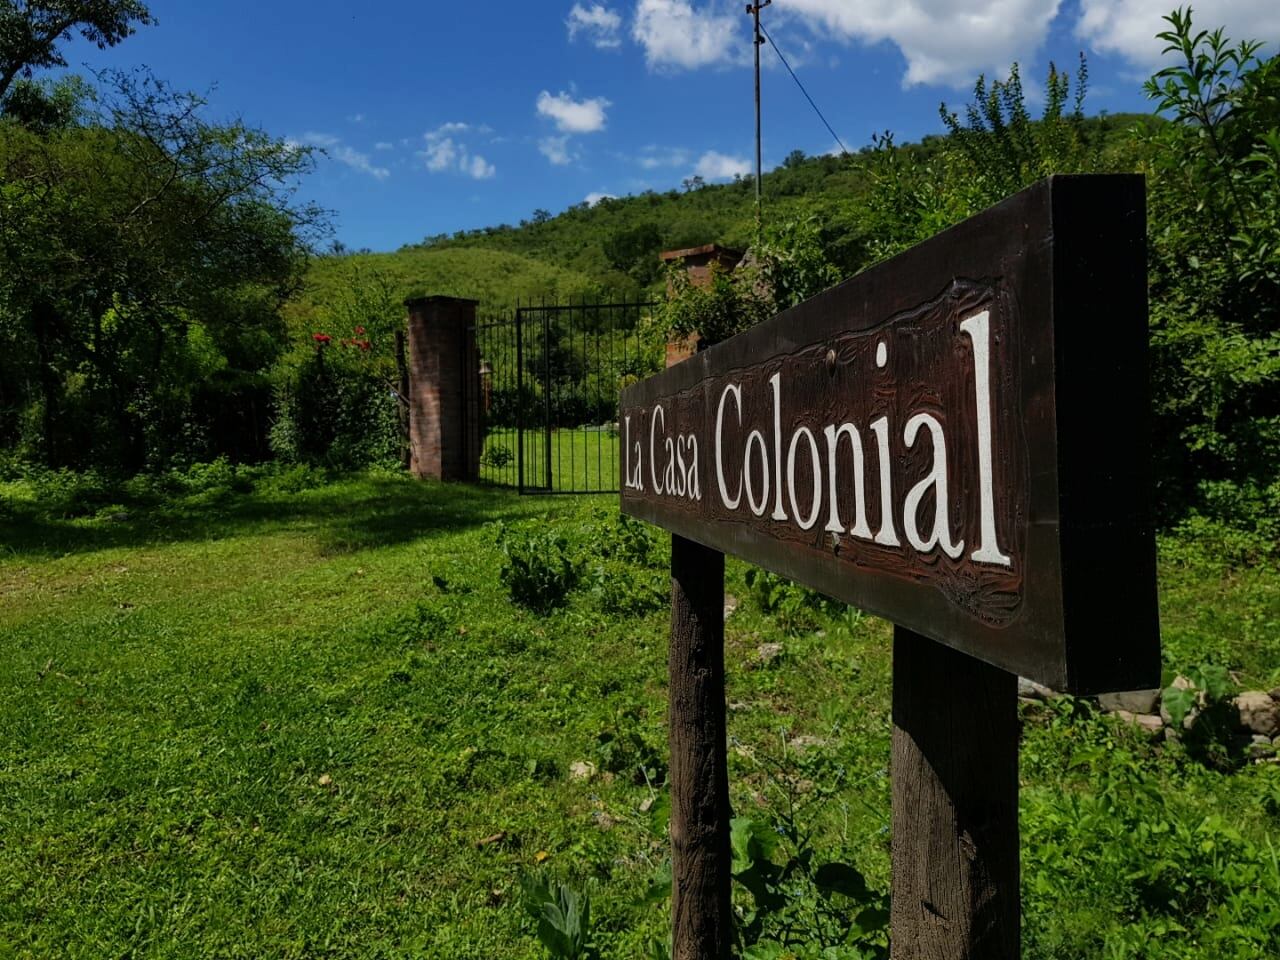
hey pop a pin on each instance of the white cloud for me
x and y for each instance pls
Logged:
(573, 116)
(360, 161)
(718, 166)
(555, 149)
(320, 139)
(943, 41)
(441, 154)
(384, 145)
(445, 150)
(356, 118)
(592, 199)
(479, 168)
(1129, 27)
(673, 34)
(598, 24)
(345, 154)
(652, 157)
(447, 128)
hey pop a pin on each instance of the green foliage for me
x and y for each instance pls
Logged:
(1123, 858)
(635, 251)
(1214, 193)
(998, 149)
(144, 256)
(800, 905)
(994, 151)
(787, 265)
(563, 916)
(31, 32)
(1203, 714)
(624, 748)
(497, 456)
(538, 568)
(728, 303)
(793, 607)
(792, 262)
(337, 397)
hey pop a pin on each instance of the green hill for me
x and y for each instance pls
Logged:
(609, 250)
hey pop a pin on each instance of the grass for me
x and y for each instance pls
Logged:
(294, 718)
(585, 458)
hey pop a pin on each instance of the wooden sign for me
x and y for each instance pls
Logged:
(954, 440)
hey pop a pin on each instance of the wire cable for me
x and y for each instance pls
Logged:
(843, 149)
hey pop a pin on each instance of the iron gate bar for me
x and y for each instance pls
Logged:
(578, 342)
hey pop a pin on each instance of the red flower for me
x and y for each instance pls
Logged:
(360, 330)
(321, 337)
(363, 344)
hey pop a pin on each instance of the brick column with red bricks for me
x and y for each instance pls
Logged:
(444, 388)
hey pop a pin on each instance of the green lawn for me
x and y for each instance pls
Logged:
(307, 721)
(585, 458)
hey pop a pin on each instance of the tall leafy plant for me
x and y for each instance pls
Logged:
(1213, 173)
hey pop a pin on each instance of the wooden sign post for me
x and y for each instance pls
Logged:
(954, 440)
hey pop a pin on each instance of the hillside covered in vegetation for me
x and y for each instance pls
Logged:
(609, 250)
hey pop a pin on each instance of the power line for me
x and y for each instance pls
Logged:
(843, 149)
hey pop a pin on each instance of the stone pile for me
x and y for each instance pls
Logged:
(1257, 713)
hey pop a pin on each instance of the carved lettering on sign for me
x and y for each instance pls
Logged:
(882, 442)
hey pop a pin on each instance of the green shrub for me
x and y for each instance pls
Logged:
(1117, 866)
(793, 607)
(537, 567)
(563, 916)
(68, 494)
(336, 409)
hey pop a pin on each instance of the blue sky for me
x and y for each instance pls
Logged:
(443, 116)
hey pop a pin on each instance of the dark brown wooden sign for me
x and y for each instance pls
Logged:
(955, 440)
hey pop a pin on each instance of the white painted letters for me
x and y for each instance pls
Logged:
(978, 327)
(937, 480)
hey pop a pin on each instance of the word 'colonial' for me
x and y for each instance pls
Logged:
(801, 475)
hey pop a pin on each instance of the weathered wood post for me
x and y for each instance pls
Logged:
(955, 805)
(700, 855)
(701, 859)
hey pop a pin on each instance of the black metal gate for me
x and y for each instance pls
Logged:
(547, 415)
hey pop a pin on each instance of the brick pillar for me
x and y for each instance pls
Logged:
(444, 388)
(697, 262)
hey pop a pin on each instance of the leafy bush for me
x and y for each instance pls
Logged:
(1120, 862)
(497, 456)
(794, 608)
(787, 265)
(69, 494)
(336, 409)
(1204, 716)
(622, 589)
(623, 748)
(537, 567)
(1213, 174)
(563, 916)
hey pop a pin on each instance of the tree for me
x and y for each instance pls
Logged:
(635, 251)
(1213, 176)
(32, 30)
(144, 256)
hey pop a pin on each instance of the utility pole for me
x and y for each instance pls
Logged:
(757, 39)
